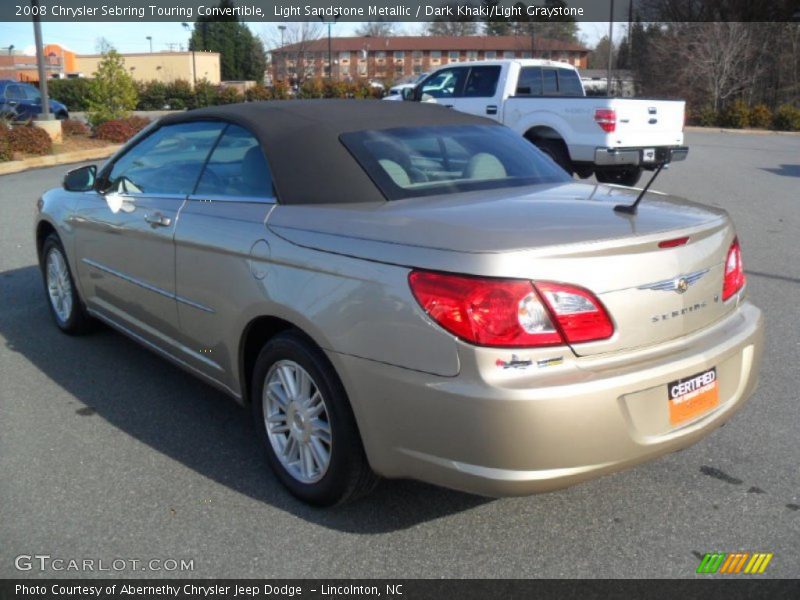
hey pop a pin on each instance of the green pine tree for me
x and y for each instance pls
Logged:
(112, 93)
(242, 55)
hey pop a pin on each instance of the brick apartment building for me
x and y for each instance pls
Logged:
(390, 58)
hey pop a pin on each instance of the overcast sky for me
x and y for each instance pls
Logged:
(132, 37)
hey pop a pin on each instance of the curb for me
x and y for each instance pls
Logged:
(15, 166)
(742, 131)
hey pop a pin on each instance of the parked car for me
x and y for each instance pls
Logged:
(22, 101)
(410, 81)
(408, 291)
(612, 138)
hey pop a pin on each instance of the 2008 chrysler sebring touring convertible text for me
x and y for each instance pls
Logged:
(404, 290)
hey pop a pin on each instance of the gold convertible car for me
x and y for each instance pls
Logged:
(401, 290)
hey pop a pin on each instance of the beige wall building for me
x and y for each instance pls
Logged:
(161, 66)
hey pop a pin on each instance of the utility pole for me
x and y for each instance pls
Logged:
(610, 48)
(149, 38)
(37, 34)
(194, 63)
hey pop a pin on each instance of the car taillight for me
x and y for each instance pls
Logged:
(734, 271)
(606, 118)
(510, 313)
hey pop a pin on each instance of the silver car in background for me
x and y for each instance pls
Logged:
(401, 290)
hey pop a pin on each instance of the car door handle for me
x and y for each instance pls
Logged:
(491, 109)
(12, 102)
(447, 105)
(156, 219)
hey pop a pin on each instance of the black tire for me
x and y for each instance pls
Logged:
(620, 175)
(62, 116)
(584, 172)
(557, 150)
(75, 320)
(348, 475)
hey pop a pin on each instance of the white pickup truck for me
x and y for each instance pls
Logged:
(614, 138)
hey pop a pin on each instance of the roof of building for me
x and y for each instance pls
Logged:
(300, 139)
(433, 42)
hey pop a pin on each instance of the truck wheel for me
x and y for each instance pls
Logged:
(557, 150)
(620, 175)
(584, 172)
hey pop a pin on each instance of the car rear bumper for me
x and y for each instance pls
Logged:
(500, 434)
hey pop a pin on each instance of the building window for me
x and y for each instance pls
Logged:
(508, 54)
(526, 55)
(453, 55)
(417, 69)
(399, 55)
(472, 55)
(380, 55)
(344, 56)
(398, 69)
(436, 54)
(490, 55)
(416, 55)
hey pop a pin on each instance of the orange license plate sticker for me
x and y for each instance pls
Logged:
(692, 396)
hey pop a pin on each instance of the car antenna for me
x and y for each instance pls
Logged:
(630, 209)
(673, 154)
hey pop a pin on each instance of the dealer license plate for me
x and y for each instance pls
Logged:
(649, 155)
(692, 396)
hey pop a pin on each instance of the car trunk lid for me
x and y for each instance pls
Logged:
(567, 233)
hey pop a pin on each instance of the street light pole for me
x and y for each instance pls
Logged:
(37, 34)
(282, 68)
(330, 42)
(150, 39)
(194, 64)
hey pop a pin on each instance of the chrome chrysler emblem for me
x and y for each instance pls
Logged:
(677, 284)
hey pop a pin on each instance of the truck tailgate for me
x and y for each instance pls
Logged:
(645, 123)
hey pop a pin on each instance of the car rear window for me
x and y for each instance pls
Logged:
(425, 161)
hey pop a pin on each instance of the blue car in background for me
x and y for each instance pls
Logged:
(23, 101)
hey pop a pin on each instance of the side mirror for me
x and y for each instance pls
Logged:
(408, 94)
(81, 179)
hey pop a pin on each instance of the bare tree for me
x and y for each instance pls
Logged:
(377, 29)
(294, 60)
(103, 46)
(724, 59)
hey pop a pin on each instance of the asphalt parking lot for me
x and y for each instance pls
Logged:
(108, 452)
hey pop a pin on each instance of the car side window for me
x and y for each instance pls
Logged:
(446, 83)
(14, 92)
(530, 82)
(237, 167)
(549, 82)
(568, 83)
(31, 93)
(482, 82)
(168, 161)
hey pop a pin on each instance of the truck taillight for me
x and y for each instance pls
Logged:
(510, 313)
(606, 118)
(734, 271)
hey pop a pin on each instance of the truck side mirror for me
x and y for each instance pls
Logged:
(409, 94)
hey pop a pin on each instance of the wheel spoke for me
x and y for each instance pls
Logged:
(306, 461)
(319, 453)
(321, 430)
(316, 405)
(276, 391)
(287, 381)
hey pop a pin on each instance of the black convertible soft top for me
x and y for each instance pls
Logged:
(300, 139)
